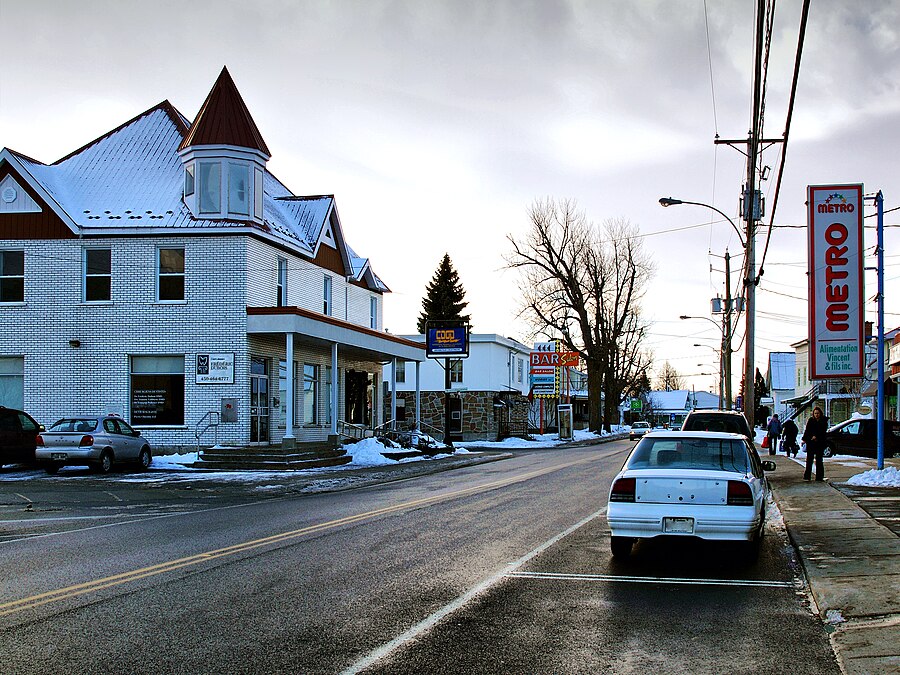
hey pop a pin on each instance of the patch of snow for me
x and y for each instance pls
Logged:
(367, 452)
(886, 477)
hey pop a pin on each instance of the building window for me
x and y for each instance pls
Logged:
(157, 390)
(238, 189)
(456, 371)
(282, 392)
(257, 194)
(171, 274)
(12, 276)
(188, 180)
(310, 393)
(521, 370)
(400, 375)
(12, 382)
(329, 388)
(210, 179)
(327, 306)
(281, 299)
(97, 274)
(373, 312)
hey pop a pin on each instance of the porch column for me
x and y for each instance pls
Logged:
(289, 393)
(394, 392)
(418, 403)
(334, 389)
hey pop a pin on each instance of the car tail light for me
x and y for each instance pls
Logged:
(86, 441)
(39, 441)
(622, 490)
(739, 493)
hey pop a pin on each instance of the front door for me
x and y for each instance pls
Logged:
(358, 397)
(259, 401)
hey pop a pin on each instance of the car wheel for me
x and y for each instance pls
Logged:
(621, 546)
(106, 462)
(52, 469)
(828, 451)
(145, 458)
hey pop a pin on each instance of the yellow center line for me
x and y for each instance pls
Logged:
(14, 606)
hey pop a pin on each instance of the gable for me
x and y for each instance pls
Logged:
(23, 213)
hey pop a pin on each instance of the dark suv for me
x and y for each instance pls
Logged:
(18, 432)
(729, 421)
(860, 437)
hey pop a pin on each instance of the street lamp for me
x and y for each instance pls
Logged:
(724, 358)
(749, 367)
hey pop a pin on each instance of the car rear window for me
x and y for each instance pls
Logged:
(690, 453)
(78, 425)
(727, 423)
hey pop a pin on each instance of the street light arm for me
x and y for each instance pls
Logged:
(669, 201)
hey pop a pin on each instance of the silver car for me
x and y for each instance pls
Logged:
(97, 441)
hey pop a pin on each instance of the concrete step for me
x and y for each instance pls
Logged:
(249, 464)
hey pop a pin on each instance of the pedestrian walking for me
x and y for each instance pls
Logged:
(814, 435)
(789, 433)
(774, 431)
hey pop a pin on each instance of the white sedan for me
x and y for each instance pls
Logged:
(689, 484)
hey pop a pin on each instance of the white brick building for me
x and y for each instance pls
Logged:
(163, 273)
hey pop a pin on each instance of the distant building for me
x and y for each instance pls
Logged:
(671, 407)
(489, 390)
(781, 376)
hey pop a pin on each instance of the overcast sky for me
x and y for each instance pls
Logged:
(437, 123)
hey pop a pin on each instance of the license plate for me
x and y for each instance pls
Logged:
(678, 525)
(59, 455)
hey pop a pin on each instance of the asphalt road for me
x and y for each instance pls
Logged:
(497, 568)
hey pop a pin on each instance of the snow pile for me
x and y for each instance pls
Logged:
(367, 452)
(887, 477)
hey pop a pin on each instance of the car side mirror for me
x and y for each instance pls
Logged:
(136, 433)
(769, 466)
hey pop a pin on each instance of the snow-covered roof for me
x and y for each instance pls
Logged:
(669, 400)
(131, 179)
(782, 370)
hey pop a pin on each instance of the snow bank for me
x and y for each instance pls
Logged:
(367, 452)
(887, 477)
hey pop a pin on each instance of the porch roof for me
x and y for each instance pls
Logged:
(311, 327)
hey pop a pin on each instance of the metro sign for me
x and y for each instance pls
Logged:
(553, 359)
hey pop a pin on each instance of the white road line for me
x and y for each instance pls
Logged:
(612, 578)
(23, 497)
(117, 498)
(429, 622)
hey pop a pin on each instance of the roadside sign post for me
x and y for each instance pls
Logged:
(446, 339)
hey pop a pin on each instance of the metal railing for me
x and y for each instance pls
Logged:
(214, 418)
(355, 432)
(422, 437)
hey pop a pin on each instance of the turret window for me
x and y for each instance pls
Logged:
(210, 178)
(238, 188)
(189, 180)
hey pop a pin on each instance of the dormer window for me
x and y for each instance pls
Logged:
(238, 189)
(210, 179)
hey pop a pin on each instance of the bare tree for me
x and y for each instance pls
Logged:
(584, 284)
(669, 379)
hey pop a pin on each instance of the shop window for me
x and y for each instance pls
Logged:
(12, 382)
(157, 390)
(310, 393)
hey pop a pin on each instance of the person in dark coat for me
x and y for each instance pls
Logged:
(789, 433)
(774, 431)
(814, 435)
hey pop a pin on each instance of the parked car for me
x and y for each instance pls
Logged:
(638, 429)
(18, 436)
(860, 437)
(97, 441)
(689, 484)
(729, 421)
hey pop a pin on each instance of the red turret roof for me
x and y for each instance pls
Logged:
(224, 120)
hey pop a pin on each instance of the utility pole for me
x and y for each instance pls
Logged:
(726, 331)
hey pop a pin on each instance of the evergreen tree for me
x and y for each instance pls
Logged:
(444, 299)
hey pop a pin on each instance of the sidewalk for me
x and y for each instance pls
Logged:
(851, 560)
